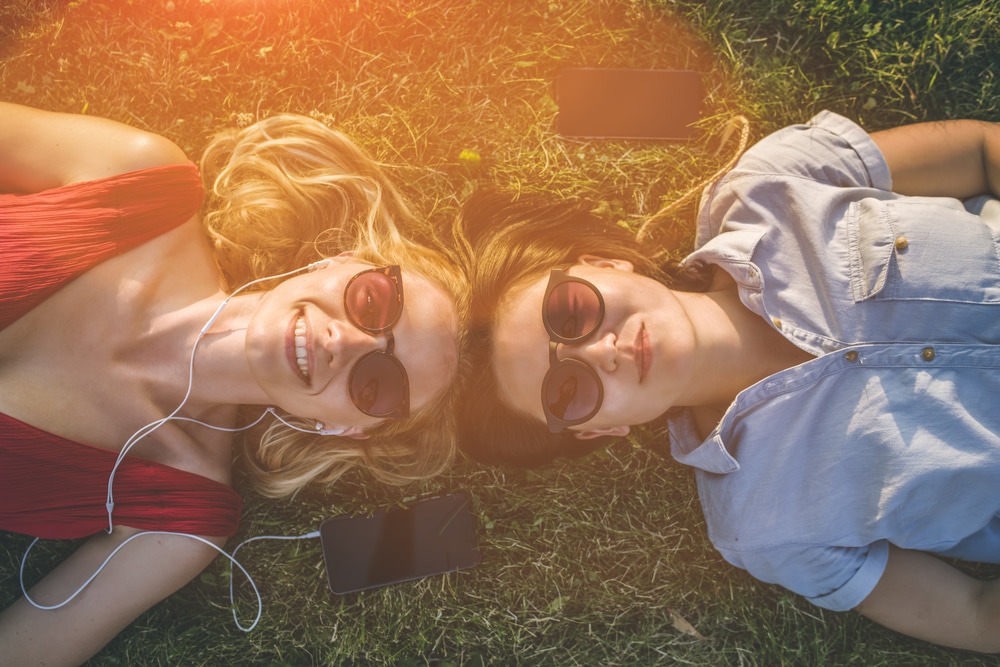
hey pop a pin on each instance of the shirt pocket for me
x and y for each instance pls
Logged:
(921, 248)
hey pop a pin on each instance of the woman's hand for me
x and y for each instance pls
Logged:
(145, 571)
(924, 597)
(954, 158)
(40, 150)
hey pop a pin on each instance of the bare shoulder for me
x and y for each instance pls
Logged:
(42, 149)
(127, 149)
(143, 150)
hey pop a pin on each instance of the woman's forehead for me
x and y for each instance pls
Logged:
(520, 346)
(528, 288)
(426, 337)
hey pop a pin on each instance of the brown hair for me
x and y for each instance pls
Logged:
(504, 243)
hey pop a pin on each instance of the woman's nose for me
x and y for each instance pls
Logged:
(346, 343)
(599, 352)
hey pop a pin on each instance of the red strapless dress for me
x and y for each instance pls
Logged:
(52, 487)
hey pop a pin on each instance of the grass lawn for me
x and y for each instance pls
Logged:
(602, 561)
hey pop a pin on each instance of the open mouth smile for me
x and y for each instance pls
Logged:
(300, 349)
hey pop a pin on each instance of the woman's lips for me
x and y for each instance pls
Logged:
(643, 353)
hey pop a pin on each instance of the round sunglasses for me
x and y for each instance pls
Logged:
(572, 310)
(378, 385)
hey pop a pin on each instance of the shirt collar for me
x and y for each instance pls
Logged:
(732, 251)
(687, 448)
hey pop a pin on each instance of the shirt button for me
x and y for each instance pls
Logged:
(927, 354)
(901, 243)
(776, 322)
(851, 355)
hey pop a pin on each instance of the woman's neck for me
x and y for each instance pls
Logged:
(221, 374)
(736, 347)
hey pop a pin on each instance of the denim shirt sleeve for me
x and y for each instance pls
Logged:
(818, 572)
(828, 149)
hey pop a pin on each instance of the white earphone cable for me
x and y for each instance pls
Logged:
(231, 557)
(232, 560)
(150, 428)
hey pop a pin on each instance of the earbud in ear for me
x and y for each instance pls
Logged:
(322, 430)
(318, 427)
(320, 264)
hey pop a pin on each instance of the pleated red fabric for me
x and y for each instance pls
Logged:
(48, 238)
(56, 488)
(52, 487)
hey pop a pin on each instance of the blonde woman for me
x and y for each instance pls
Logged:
(137, 334)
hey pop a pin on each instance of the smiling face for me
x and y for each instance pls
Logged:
(302, 346)
(642, 351)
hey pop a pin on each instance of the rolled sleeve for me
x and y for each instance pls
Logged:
(859, 586)
(835, 578)
(861, 143)
(828, 150)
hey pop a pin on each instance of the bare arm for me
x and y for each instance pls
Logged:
(43, 149)
(145, 571)
(956, 158)
(924, 597)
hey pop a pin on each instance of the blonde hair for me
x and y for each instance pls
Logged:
(285, 192)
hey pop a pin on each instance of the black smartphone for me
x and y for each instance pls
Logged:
(619, 103)
(429, 536)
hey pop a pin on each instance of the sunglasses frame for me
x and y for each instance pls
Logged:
(557, 424)
(402, 409)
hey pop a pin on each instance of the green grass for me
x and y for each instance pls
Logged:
(602, 561)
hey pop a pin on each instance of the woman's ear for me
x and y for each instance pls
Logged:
(356, 433)
(616, 431)
(347, 254)
(605, 263)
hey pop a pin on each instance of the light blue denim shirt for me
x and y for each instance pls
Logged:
(890, 434)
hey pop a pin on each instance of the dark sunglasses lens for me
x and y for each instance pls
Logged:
(571, 393)
(573, 310)
(372, 300)
(378, 384)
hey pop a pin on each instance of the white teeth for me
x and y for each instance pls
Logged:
(301, 356)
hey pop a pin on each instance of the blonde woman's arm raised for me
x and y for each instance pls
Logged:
(924, 597)
(145, 571)
(44, 149)
(954, 158)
